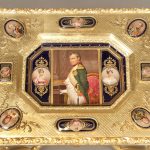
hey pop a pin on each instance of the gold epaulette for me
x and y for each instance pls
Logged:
(80, 66)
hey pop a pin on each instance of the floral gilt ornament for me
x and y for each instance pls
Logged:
(110, 76)
(41, 76)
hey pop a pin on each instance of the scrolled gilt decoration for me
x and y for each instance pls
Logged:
(120, 22)
(146, 42)
(28, 126)
(124, 126)
(77, 141)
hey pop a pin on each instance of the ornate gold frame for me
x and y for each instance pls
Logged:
(115, 126)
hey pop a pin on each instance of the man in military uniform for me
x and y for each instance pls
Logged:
(76, 83)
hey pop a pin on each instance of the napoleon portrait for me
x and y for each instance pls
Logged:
(76, 83)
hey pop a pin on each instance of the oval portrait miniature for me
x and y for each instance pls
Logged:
(141, 117)
(10, 118)
(137, 28)
(76, 125)
(41, 76)
(110, 76)
(77, 22)
(14, 28)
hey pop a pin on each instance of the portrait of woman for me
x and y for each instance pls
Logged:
(10, 118)
(41, 76)
(110, 76)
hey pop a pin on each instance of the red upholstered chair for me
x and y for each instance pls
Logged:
(93, 79)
